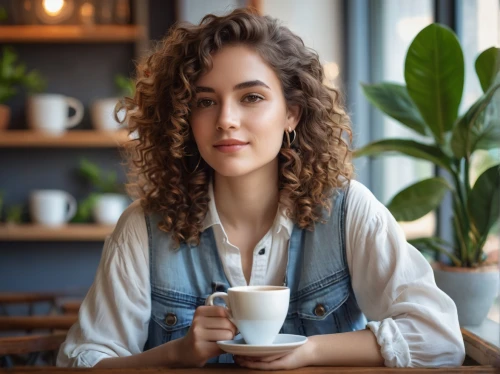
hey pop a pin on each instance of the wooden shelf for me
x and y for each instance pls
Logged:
(70, 232)
(71, 34)
(70, 139)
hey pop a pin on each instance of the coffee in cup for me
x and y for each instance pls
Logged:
(257, 311)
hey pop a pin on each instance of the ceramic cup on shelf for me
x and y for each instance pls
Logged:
(257, 311)
(52, 207)
(102, 112)
(49, 113)
(108, 208)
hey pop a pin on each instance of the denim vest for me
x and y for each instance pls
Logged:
(321, 297)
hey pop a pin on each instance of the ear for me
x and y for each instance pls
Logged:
(293, 114)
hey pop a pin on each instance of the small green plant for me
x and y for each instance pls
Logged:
(14, 75)
(125, 86)
(100, 181)
(84, 209)
(14, 214)
(428, 104)
(3, 14)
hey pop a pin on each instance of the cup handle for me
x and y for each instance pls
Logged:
(76, 118)
(223, 296)
(72, 207)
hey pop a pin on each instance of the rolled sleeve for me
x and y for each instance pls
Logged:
(414, 322)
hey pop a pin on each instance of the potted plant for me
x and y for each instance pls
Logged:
(103, 110)
(107, 202)
(428, 104)
(13, 75)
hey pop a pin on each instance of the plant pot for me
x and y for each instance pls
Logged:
(4, 117)
(472, 289)
(108, 208)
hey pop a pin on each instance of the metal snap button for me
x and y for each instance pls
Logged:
(171, 319)
(319, 310)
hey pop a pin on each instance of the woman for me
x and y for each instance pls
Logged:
(243, 166)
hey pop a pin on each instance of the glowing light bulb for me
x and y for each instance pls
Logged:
(53, 7)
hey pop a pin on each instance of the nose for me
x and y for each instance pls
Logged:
(228, 117)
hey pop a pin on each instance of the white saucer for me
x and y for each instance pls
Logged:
(283, 343)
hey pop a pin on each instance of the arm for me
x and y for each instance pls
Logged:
(114, 316)
(210, 324)
(357, 348)
(414, 322)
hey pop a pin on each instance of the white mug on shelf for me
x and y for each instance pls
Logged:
(49, 113)
(109, 207)
(102, 112)
(52, 207)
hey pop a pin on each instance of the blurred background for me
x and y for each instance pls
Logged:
(79, 55)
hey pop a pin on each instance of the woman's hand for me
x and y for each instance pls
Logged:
(210, 324)
(300, 357)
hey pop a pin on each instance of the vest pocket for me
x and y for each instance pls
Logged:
(320, 310)
(171, 315)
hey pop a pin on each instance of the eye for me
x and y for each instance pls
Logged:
(252, 98)
(204, 103)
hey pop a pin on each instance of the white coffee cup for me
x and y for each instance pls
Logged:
(108, 208)
(49, 113)
(52, 207)
(257, 311)
(102, 112)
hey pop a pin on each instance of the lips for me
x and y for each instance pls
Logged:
(230, 145)
(229, 142)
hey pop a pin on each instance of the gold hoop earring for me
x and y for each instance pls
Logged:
(287, 133)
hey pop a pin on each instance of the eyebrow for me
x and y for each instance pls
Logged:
(239, 86)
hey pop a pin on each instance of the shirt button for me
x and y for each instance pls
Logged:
(319, 310)
(262, 251)
(171, 319)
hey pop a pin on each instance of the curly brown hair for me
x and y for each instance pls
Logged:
(161, 158)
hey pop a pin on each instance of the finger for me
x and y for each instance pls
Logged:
(216, 323)
(211, 311)
(260, 365)
(264, 359)
(215, 335)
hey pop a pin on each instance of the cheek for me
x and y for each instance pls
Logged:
(199, 129)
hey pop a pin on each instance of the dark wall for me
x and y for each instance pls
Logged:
(86, 72)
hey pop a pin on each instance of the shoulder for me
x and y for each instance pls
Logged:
(131, 227)
(363, 209)
(360, 198)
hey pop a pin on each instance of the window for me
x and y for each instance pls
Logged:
(398, 23)
(478, 26)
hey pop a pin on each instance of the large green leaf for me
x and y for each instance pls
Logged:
(484, 200)
(434, 74)
(487, 67)
(475, 131)
(393, 100)
(407, 147)
(436, 245)
(419, 199)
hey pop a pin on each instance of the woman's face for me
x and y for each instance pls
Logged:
(239, 114)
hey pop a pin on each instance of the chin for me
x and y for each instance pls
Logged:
(231, 172)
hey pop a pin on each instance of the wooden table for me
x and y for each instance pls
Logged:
(215, 369)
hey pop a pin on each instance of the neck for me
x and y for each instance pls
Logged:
(249, 201)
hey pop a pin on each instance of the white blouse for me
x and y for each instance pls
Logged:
(414, 322)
